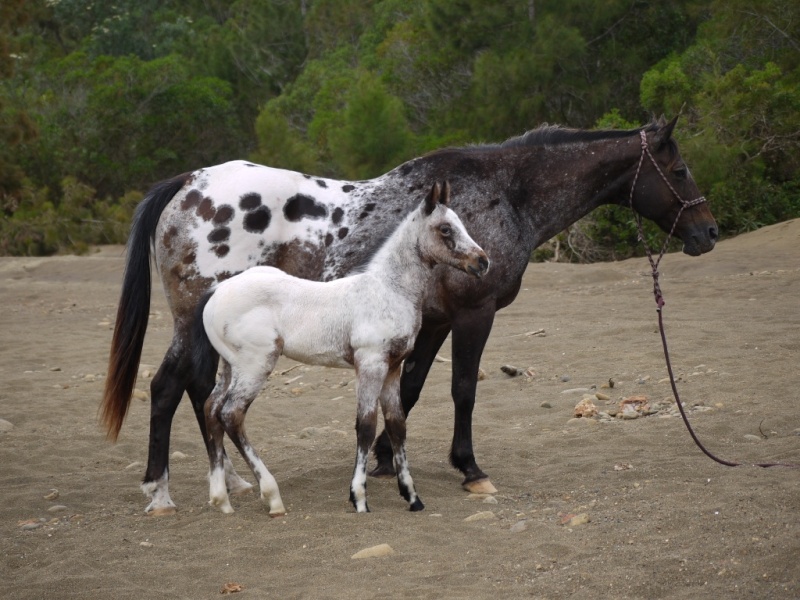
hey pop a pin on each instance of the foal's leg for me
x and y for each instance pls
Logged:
(371, 372)
(199, 390)
(415, 370)
(395, 421)
(245, 386)
(471, 329)
(217, 490)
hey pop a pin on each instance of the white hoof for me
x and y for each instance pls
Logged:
(223, 504)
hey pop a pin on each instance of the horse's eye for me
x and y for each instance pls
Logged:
(445, 230)
(681, 172)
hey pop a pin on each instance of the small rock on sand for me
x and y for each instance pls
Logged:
(57, 508)
(485, 515)
(518, 526)
(374, 551)
(6, 425)
(177, 455)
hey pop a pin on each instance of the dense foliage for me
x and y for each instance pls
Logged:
(98, 100)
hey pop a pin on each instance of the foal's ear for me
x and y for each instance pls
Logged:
(664, 132)
(433, 198)
(445, 197)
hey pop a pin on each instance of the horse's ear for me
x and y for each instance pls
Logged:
(445, 197)
(664, 132)
(433, 198)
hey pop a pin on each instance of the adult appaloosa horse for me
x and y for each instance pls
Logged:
(208, 225)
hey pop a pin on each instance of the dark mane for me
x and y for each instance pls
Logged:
(554, 135)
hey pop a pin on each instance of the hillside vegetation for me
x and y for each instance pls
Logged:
(99, 100)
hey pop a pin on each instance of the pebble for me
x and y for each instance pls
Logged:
(374, 551)
(575, 520)
(565, 378)
(575, 391)
(546, 404)
(177, 455)
(31, 526)
(308, 432)
(485, 515)
(52, 495)
(55, 369)
(481, 374)
(133, 465)
(146, 544)
(752, 438)
(518, 526)
(89, 377)
(57, 508)
(602, 397)
(141, 395)
(490, 500)
(6, 425)
(511, 370)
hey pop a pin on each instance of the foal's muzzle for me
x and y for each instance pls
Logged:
(479, 267)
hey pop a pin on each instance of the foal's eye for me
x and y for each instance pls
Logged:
(445, 230)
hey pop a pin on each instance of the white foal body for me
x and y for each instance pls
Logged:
(367, 321)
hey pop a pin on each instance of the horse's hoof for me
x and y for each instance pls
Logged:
(481, 486)
(417, 505)
(276, 514)
(163, 511)
(383, 472)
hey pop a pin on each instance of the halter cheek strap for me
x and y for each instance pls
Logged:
(684, 204)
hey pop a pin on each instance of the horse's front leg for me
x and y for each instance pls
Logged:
(395, 423)
(415, 370)
(471, 329)
(371, 372)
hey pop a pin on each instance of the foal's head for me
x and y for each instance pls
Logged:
(444, 240)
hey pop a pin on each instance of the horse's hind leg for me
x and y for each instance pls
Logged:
(395, 424)
(415, 371)
(166, 391)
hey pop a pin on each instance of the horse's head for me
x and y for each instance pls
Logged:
(665, 191)
(444, 239)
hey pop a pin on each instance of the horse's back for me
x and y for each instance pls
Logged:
(236, 215)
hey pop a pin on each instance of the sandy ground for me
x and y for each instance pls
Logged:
(664, 521)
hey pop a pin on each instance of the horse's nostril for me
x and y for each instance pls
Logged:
(713, 233)
(483, 262)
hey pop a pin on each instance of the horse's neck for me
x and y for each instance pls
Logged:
(567, 181)
(398, 264)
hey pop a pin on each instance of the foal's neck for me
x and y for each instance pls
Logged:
(398, 263)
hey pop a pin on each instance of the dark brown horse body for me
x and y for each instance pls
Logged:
(213, 223)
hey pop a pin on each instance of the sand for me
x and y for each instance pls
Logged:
(586, 508)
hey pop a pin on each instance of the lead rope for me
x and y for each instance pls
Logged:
(659, 298)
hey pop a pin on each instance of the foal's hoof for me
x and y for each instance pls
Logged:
(481, 486)
(162, 511)
(241, 488)
(416, 506)
(383, 472)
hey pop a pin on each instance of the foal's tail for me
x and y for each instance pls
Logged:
(205, 358)
(134, 306)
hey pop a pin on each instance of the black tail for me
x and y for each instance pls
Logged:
(134, 306)
(204, 357)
